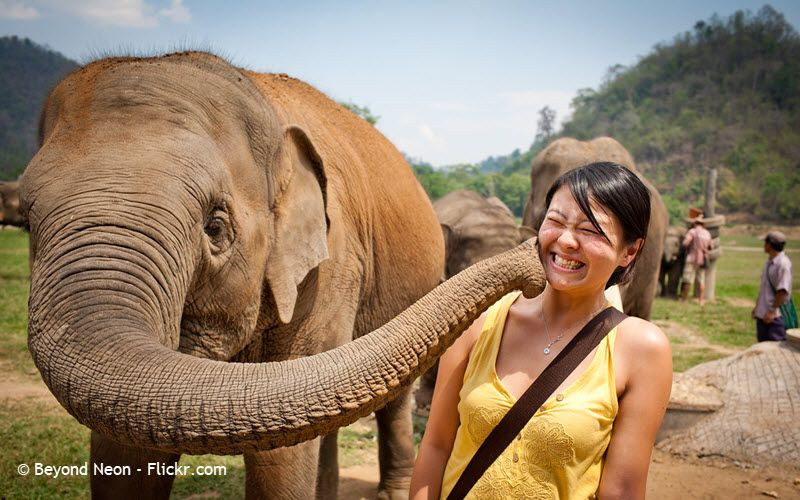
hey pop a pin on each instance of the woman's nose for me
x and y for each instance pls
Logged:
(567, 239)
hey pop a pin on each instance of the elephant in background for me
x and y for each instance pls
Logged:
(202, 239)
(565, 154)
(474, 228)
(672, 261)
(9, 204)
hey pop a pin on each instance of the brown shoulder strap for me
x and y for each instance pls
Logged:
(534, 397)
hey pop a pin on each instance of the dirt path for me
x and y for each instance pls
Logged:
(686, 338)
(15, 388)
(670, 478)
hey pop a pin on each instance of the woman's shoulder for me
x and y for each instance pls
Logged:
(643, 356)
(642, 340)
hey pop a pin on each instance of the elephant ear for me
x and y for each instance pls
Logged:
(526, 233)
(301, 220)
(450, 245)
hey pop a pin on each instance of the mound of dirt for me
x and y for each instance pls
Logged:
(755, 415)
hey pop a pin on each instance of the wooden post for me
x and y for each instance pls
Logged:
(709, 209)
(713, 223)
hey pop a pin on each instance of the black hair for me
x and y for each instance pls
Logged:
(777, 246)
(620, 191)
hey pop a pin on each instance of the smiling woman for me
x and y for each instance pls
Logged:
(596, 221)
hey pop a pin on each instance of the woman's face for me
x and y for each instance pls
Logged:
(574, 254)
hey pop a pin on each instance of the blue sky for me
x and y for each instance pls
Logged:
(452, 81)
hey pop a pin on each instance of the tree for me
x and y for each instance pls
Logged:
(545, 127)
(362, 111)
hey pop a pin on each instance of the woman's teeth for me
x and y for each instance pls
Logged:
(566, 263)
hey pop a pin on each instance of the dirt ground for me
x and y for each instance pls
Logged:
(670, 478)
(741, 225)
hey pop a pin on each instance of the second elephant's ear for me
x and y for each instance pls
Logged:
(450, 239)
(450, 246)
(301, 220)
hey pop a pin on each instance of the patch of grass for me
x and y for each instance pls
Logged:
(419, 422)
(739, 270)
(41, 432)
(229, 485)
(727, 321)
(720, 322)
(675, 339)
(683, 359)
(356, 446)
(14, 288)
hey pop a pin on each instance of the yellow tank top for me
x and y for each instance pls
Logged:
(559, 453)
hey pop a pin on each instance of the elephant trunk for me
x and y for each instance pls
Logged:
(104, 342)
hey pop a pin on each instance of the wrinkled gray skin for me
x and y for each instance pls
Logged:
(672, 261)
(565, 154)
(184, 214)
(9, 204)
(474, 228)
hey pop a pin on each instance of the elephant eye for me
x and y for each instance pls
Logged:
(218, 230)
(215, 227)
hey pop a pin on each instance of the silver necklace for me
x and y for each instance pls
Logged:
(546, 350)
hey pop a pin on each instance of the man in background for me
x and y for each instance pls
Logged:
(697, 243)
(775, 289)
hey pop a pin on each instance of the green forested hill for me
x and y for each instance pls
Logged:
(726, 94)
(27, 73)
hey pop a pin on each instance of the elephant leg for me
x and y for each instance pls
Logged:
(142, 483)
(395, 447)
(328, 472)
(286, 473)
(424, 394)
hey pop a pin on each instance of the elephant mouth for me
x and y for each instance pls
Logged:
(216, 337)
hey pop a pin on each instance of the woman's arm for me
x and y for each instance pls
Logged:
(648, 382)
(443, 421)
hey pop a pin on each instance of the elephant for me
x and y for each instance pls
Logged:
(474, 228)
(9, 204)
(205, 244)
(672, 261)
(565, 154)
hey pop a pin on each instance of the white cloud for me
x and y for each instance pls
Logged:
(17, 11)
(124, 13)
(427, 132)
(177, 12)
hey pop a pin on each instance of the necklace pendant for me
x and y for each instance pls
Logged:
(546, 351)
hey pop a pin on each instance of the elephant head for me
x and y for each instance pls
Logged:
(672, 244)
(165, 206)
(9, 204)
(565, 154)
(475, 228)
